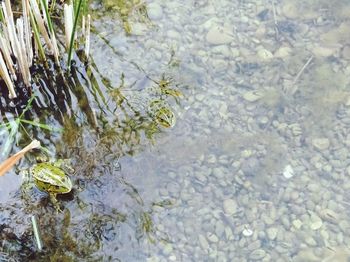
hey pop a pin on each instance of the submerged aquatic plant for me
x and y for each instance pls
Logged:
(13, 126)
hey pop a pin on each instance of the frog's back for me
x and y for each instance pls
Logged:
(49, 174)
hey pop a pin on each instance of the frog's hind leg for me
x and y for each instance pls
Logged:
(55, 203)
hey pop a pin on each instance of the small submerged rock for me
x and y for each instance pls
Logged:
(297, 223)
(257, 254)
(272, 233)
(247, 232)
(203, 242)
(154, 11)
(230, 206)
(218, 36)
(321, 143)
(212, 238)
(283, 52)
(322, 51)
(315, 221)
(265, 54)
(252, 96)
(288, 171)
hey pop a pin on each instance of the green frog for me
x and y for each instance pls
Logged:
(51, 178)
(161, 112)
(124, 8)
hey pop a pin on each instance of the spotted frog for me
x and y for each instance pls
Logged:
(162, 113)
(51, 177)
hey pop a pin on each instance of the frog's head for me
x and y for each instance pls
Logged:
(63, 184)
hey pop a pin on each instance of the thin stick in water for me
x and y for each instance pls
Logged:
(303, 69)
(294, 87)
(36, 231)
(11, 161)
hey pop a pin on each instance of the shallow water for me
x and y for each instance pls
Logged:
(256, 167)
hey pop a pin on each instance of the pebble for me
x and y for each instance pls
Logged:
(321, 143)
(346, 52)
(344, 226)
(297, 223)
(321, 51)
(247, 232)
(290, 10)
(218, 36)
(310, 241)
(265, 54)
(211, 159)
(212, 237)
(230, 206)
(257, 254)
(154, 11)
(283, 52)
(329, 215)
(203, 242)
(202, 178)
(219, 229)
(272, 233)
(235, 52)
(139, 29)
(252, 96)
(200, 97)
(315, 222)
(168, 248)
(228, 233)
(288, 172)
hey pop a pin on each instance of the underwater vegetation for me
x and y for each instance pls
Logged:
(51, 91)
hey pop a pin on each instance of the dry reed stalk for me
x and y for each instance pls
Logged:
(41, 24)
(27, 32)
(5, 48)
(12, 160)
(10, 25)
(23, 62)
(17, 43)
(5, 75)
(87, 37)
(68, 22)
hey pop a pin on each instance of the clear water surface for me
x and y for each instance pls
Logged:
(257, 165)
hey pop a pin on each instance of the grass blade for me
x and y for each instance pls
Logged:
(51, 30)
(71, 43)
(41, 24)
(14, 125)
(37, 37)
(38, 124)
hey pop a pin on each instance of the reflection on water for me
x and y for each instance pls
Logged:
(256, 167)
